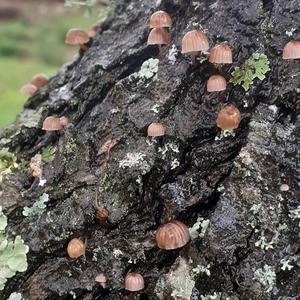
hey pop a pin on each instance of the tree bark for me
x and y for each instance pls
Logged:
(232, 183)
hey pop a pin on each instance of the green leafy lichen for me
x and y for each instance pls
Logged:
(254, 67)
(12, 253)
(37, 208)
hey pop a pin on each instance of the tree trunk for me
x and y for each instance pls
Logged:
(230, 184)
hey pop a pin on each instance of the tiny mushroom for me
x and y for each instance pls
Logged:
(134, 282)
(101, 278)
(229, 118)
(64, 121)
(291, 50)
(52, 124)
(93, 30)
(76, 248)
(221, 54)
(172, 235)
(156, 129)
(284, 187)
(160, 19)
(216, 83)
(193, 42)
(159, 36)
(28, 89)
(39, 80)
(78, 37)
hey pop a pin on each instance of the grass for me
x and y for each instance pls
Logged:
(27, 48)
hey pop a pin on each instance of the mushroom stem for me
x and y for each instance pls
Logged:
(160, 51)
(194, 54)
(83, 47)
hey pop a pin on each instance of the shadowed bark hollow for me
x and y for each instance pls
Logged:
(232, 184)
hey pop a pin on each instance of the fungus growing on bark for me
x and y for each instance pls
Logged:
(284, 188)
(101, 278)
(172, 235)
(39, 80)
(229, 118)
(134, 282)
(76, 248)
(291, 50)
(160, 19)
(52, 124)
(93, 30)
(64, 121)
(78, 37)
(156, 129)
(216, 83)
(159, 36)
(221, 54)
(193, 42)
(28, 89)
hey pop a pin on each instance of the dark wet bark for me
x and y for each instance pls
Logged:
(185, 175)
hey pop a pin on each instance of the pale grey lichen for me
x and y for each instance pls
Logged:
(194, 230)
(172, 54)
(15, 296)
(37, 208)
(266, 276)
(285, 265)
(294, 214)
(202, 269)
(147, 72)
(135, 160)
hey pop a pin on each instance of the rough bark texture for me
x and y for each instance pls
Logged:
(141, 182)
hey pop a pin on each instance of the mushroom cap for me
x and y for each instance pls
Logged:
(134, 282)
(39, 80)
(76, 36)
(64, 121)
(93, 30)
(102, 214)
(28, 89)
(156, 129)
(291, 50)
(52, 124)
(172, 235)
(159, 36)
(229, 118)
(216, 83)
(194, 41)
(160, 19)
(221, 54)
(101, 278)
(76, 248)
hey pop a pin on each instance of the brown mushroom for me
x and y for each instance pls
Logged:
(28, 89)
(193, 42)
(172, 235)
(52, 124)
(78, 37)
(134, 282)
(216, 83)
(159, 36)
(93, 30)
(64, 121)
(101, 278)
(160, 19)
(156, 129)
(291, 50)
(221, 54)
(39, 80)
(229, 118)
(76, 248)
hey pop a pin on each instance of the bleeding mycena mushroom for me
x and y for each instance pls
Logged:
(160, 19)
(78, 37)
(76, 248)
(39, 80)
(159, 36)
(221, 54)
(28, 89)
(172, 235)
(216, 83)
(93, 30)
(193, 42)
(291, 50)
(134, 282)
(52, 124)
(229, 118)
(156, 129)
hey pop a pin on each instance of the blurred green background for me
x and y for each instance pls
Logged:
(32, 34)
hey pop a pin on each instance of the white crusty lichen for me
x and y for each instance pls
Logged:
(294, 214)
(266, 276)
(169, 147)
(264, 244)
(285, 265)
(214, 296)
(202, 269)
(194, 230)
(135, 160)
(15, 296)
(148, 70)
(155, 108)
(172, 54)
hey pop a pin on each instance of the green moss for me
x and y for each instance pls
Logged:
(254, 67)
(48, 154)
(71, 146)
(12, 253)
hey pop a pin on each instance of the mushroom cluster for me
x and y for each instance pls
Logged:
(36, 82)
